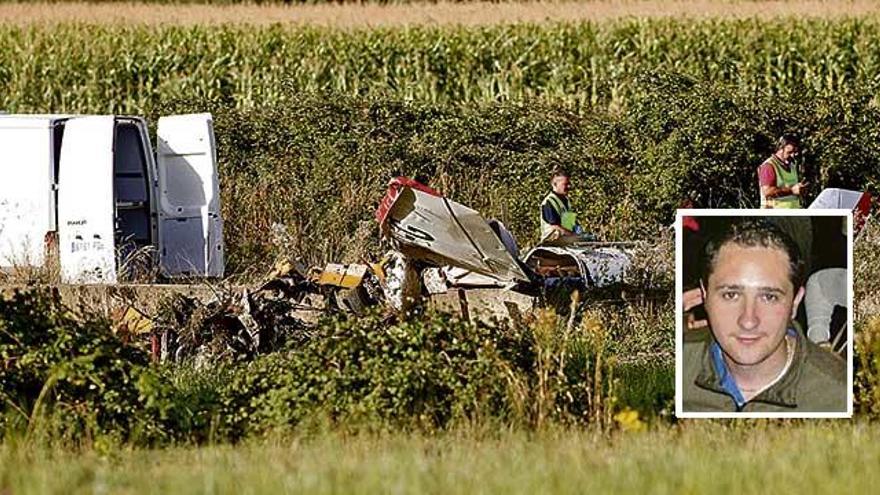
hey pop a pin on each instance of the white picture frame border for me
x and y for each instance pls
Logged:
(679, 313)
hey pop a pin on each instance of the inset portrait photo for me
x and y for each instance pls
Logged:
(764, 313)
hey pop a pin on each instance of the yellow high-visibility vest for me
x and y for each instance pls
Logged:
(568, 218)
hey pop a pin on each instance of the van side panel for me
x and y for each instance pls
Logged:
(26, 190)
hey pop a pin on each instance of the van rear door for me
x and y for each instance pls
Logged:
(85, 201)
(190, 225)
(27, 196)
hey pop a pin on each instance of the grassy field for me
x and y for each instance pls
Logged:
(375, 14)
(691, 457)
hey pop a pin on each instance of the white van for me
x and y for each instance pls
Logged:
(96, 185)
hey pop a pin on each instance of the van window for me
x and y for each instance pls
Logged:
(57, 136)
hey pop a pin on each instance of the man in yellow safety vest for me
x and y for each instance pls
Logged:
(558, 221)
(778, 177)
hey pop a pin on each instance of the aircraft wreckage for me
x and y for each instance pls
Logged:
(442, 255)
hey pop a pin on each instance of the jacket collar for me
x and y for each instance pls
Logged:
(782, 393)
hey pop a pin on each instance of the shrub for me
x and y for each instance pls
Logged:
(64, 376)
(72, 380)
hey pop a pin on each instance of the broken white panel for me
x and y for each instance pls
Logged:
(505, 237)
(607, 265)
(190, 225)
(486, 305)
(402, 285)
(459, 277)
(434, 281)
(85, 201)
(433, 228)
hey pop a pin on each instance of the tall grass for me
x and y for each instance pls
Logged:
(128, 69)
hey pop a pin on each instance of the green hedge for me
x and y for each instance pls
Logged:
(67, 377)
(318, 166)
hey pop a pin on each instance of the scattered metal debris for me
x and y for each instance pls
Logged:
(280, 312)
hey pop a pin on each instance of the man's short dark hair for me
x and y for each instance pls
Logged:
(755, 232)
(558, 172)
(786, 139)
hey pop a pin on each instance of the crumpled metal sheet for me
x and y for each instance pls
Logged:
(130, 321)
(599, 265)
(280, 311)
(431, 228)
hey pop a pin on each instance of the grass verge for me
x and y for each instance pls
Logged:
(692, 457)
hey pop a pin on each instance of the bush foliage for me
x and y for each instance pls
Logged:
(317, 167)
(74, 380)
(69, 379)
(63, 375)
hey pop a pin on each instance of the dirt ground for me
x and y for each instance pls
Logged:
(441, 13)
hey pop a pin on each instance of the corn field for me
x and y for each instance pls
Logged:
(130, 69)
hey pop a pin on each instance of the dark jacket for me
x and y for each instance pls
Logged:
(815, 382)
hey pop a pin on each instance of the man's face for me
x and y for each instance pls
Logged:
(561, 185)
(749, 300)
(788, 152)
